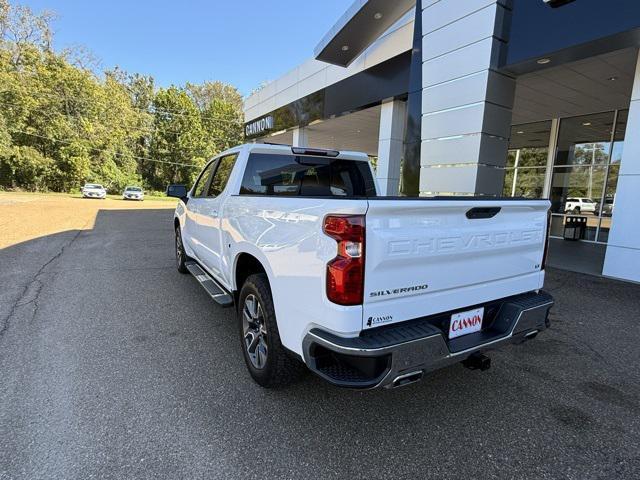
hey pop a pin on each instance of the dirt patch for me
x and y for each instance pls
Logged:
(27, 216)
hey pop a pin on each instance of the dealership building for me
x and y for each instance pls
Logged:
(515, 98)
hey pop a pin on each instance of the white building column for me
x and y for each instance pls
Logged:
(393, 120)
(300, 137)
(622, 259)
(466, 102)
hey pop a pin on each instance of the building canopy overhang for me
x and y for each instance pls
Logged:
(559, 75)
(361, 25)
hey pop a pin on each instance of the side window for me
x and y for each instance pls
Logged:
(203, 181)
(221, 177)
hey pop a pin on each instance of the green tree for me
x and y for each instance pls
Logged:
(141, 91)
(28, 168)
(73, 165)
(205, 94)
(62, 124)
(220, 106)
(178, 141)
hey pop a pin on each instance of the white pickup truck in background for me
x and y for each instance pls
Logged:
(366, 291)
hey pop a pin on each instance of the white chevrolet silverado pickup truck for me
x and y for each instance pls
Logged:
(366, 291)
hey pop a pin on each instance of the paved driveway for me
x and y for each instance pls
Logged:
(113, 365)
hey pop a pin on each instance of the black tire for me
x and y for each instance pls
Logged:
(274, 366)
(576, 210)
(181, 256)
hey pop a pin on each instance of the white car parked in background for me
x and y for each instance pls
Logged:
(580, 205)
(94, 190)
(133, 193)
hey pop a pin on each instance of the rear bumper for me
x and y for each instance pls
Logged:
(383, 357)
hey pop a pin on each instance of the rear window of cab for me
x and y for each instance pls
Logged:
(293, 175)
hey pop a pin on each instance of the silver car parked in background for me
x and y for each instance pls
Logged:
(94, 190)
(133, 193)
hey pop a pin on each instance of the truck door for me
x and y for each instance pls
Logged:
(210, 231)
(194, 206)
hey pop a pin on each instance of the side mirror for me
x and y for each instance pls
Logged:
(177, 191)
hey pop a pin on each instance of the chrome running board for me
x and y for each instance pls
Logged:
(216, 291)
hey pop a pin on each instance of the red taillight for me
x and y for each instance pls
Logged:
(345, 273)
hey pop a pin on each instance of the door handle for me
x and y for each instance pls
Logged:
(483, 212)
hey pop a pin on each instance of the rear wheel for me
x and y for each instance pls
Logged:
(181, 256)
(268, 362)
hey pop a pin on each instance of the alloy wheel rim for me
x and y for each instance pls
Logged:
(254, 331)
(178, 249)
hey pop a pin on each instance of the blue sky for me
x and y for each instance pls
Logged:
(240, 42)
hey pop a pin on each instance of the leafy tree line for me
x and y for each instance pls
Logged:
(61, 124)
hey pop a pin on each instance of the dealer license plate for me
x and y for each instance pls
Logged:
(464, 323)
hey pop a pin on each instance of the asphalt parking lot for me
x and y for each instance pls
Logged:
(113, 365)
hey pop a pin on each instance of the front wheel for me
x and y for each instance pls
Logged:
(268, 362)
(181, 256)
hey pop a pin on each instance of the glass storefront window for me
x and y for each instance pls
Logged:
(608, 204)
(527, 160)
(533, 157)
(508, 182)
(621, 125)
(557, 226)
(577, 189)
(585, 140)
(618, 139)
(529, 183)
(616, 152)
(585, 171)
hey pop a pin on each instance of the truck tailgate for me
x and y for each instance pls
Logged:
(427, 256)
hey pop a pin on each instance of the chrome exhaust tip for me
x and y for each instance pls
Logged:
(407, 379)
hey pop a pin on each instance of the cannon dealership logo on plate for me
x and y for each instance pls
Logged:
(467, 322)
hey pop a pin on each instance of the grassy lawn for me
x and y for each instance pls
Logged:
(150, 197)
